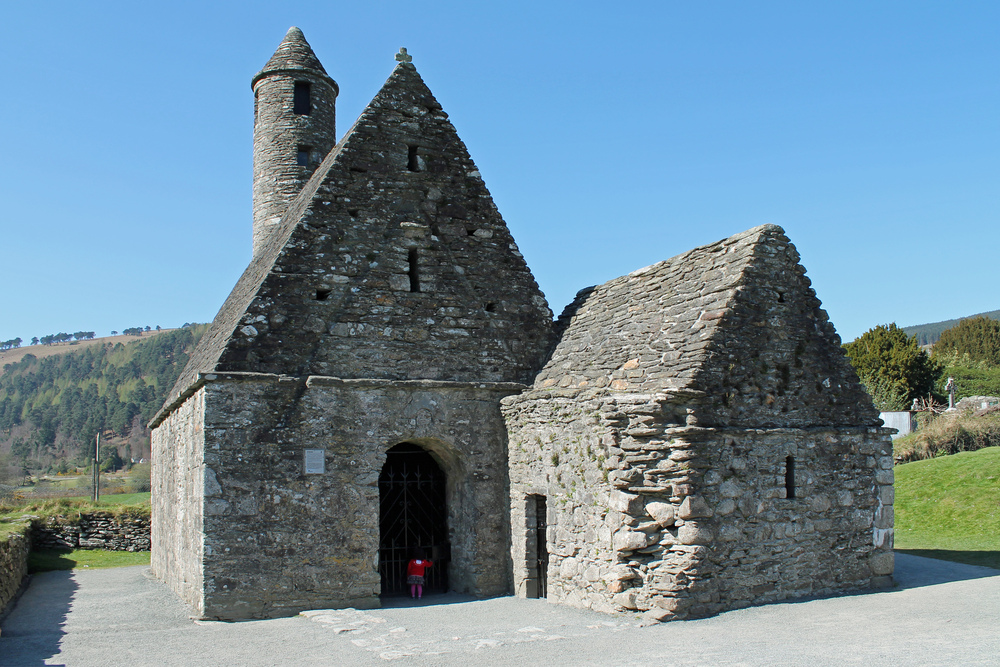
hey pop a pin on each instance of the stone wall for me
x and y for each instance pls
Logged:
(98, 530)
(382, 271)
(682, 521)
(178, 483)
(278, 540)
(13, 566)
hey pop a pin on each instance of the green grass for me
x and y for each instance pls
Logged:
(44, 561)
(117, 503)
(949, 507)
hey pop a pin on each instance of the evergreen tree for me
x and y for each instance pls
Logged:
(977, 337)
(892, 366)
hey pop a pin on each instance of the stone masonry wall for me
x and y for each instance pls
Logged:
(13, 566)
(278, 540)
(99, 530)
(178, 482)
(679, 521)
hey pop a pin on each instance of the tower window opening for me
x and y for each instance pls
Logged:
(322, 294)
(414, 272)
(412, 159)
(490, 307)
(789, 477)
(301, 98)
(302, 156)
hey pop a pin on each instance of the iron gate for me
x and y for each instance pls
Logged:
(412, 516)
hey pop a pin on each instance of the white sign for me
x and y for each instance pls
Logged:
(315, 461)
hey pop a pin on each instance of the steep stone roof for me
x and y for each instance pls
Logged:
(732, 327)
(331, 293)
(294, 53)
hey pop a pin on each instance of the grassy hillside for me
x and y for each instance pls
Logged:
(949, 507)
(51, 408)
(928, 334)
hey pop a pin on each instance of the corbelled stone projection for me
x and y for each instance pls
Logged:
(683, 440)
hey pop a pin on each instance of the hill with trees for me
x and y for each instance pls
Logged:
(52, 408)
(928, 334)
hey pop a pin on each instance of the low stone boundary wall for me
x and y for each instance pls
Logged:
(99, 530)
(13, 566)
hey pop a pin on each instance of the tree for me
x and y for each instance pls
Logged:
(34, 340)
(892, 366)
(977, 337)
(114, 333)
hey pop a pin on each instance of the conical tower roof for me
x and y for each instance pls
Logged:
(294, 53)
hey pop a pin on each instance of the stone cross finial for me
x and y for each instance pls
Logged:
(403, 56)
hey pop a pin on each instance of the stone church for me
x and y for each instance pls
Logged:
(386, 376)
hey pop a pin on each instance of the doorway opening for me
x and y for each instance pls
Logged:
(538, 549)
(413, 515)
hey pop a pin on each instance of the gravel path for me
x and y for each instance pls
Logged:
(939, 614)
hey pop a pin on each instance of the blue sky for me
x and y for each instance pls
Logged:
(610, 137)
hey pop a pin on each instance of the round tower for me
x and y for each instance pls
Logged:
(294, 128)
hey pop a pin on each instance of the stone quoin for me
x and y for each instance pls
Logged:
(386, 376)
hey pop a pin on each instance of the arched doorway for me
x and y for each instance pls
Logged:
(412, 515)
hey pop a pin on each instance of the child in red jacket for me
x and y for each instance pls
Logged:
(415, 573)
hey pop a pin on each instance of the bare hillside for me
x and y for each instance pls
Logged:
(42, 351)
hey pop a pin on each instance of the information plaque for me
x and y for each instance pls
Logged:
(315, 461)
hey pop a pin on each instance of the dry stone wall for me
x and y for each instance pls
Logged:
(98, 530)
(13, 566)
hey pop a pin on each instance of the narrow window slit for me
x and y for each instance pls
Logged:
(490, 307)
(789, 477)
(322, 294)
(301, 102)
(412, 160)
(302, 156)
(353, 212)
(414, 272)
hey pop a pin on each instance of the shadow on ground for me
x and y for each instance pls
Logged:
(428, 600)
(40, 619)
(981, 558)
(916, 568)
(45, 560)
